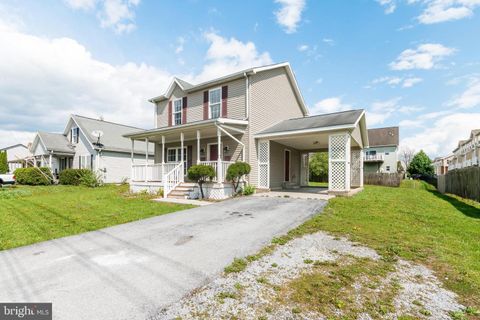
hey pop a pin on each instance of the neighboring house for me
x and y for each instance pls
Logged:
(257, 115)
(467, 152)
(80, 147)
(381, 156)
(16, 156)
(440, 164)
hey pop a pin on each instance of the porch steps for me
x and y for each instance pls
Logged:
(182, 191)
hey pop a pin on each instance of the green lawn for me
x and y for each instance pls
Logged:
(33, 214)
(413, 222)
(318, 184)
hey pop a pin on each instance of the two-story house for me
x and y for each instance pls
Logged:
(381, 156)
(467, 152)
(257, 115)
(88, 143)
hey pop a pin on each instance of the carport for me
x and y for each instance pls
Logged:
(283, 150)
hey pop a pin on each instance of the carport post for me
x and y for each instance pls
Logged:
(146, 160)
(182, 176)
(198, 146)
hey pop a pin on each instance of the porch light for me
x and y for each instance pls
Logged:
(315, 142)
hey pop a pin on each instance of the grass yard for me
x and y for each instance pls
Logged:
(318, 184)
(413, 222)
(33, 214)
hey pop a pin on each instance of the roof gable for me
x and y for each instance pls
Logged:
(388, 136)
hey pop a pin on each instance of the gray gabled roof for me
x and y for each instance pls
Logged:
(337, 119)
(14, 146)
(185, 85)
(113, 135)
(388, 136)
(55, 142)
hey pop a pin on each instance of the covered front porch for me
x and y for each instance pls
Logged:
(217, 142)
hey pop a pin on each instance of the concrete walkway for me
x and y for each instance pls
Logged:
(131, 271)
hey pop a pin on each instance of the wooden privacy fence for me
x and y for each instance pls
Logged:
(383, 179)
(463, 182)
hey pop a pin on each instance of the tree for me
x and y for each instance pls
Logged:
(421, 164)
(236, 171)
(406, 156)
(201, 173)
(318, 166)
(3, 162)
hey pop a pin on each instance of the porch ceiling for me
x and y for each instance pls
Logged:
(308, 142)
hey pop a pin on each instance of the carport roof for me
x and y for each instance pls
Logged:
(327, 121)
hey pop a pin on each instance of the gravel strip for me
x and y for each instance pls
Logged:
(251, 294)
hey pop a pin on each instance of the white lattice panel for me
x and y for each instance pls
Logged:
(356, 168)
(339, 162)
(263, 164)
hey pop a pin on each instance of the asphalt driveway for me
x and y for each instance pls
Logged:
(132, 270)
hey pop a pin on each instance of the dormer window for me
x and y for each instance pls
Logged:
(74, 133)
(215, 103)
(177, 111)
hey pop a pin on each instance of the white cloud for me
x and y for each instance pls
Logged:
(441, 137)
(181, 42)
(303, 47)
(389, 5)
(227, 55)
(393, 82)
(11, 137)
(39, 91)
(437, 11)
(410, 82)
(319, 81)
(328, 41)
(118, 15)
(290, 14)
(470, 98)
(329, 105)
(425, 56)
(410, 123)
(380, 111)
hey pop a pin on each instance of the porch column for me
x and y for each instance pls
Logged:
(219, 158)
(198, 146)
(182, 176)
(163, 158)
(146, 160)
(339, 162)
(131, 160)
(50, 162)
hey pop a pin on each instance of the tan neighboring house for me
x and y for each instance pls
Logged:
(467, 152)
(257, 115)
(381, 156)
(441, 164)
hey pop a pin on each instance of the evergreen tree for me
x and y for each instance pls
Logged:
(421, 164)
(3, 162)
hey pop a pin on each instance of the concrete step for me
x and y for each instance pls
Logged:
(171, 196)
(184, 188)
(187, 184)
(178, 193)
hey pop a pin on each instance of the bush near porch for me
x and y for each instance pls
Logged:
(33, 177)
(34, 214)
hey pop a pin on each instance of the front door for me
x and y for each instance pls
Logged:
(213, 153)
(287, 166)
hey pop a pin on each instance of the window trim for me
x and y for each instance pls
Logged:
(75, 130)
(173, 111)
(210, 103)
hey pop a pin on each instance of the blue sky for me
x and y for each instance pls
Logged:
(413, 63)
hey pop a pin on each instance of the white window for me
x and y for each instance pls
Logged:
(74, 135)
(175, 154)
(177, 111)
(215, 103)
(85, 162)
(171, 155)
(387, 153)
(388, 168)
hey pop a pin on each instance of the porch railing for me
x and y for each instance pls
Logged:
(172, 179)
(223, 169)
(373, 157)
(151, 172)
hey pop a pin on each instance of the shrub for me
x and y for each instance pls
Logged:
(72, 176)
(34, 176)
(248, 190)
(201, 173)
(3, 162)
(91, 179)
(236, 171)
